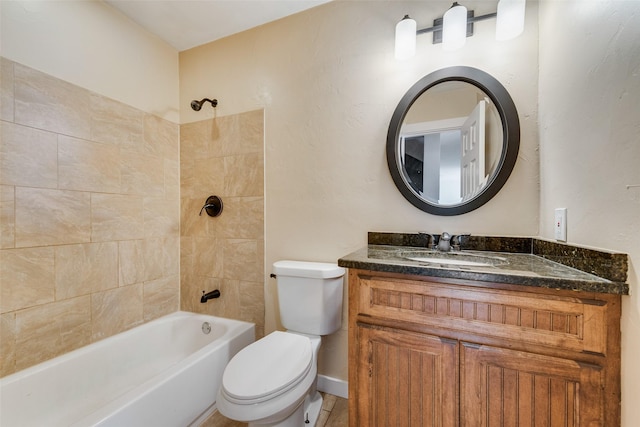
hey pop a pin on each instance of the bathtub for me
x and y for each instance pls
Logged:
(163, 373)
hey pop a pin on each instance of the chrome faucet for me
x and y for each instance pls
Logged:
(431, 240)
(458, 240)
(444, 243)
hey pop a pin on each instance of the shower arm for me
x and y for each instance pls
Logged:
(197, 105)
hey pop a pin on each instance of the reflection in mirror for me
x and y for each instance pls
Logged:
(453, 141)
(434, 161)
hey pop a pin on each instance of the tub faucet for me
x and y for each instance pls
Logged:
(209, 295)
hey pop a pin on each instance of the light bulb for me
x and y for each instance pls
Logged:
(510, 19)
(405, 38)
(454, 27)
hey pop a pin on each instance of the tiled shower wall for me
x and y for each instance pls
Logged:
(89, 217)
(223, 156)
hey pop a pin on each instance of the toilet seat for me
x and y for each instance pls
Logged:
(267, 368)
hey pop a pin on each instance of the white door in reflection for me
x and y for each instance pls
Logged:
(444, 160)
(472, 169)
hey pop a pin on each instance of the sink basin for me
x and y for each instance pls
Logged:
(444, 261)
(455, 259)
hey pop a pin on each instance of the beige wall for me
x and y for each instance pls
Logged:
(94, 46)
(590, 143)
(328, 82)
(89, 211)
(223, 156)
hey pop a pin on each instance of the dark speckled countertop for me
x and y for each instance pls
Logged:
(520, 261)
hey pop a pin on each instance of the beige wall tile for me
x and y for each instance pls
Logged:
(27, 278)
(131, 261)
(52, 329)
(88, 166)
(116, 217)
(140, 261)
(243, 218)
(161, 137)
(48, 103)
(226, 138)
(7, 343)
(208, 257)
(161, 297)
(191, 222)
(201, 178)
(116, 310)
(197, 140)
(7, 217)
(171, 256)
(187, 249)
(86, 268)
(243, 259)
(172, 178)
(6, 89)
(190, 290)
(228, 305)
(161, 216)
(248, 136)
(116, 123)
(223, 156)
(28, 156)
(48, 292)
(51, 217)
(153, 259)
(244, 175)
(141, 174)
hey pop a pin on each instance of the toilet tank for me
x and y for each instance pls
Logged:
(309, 296)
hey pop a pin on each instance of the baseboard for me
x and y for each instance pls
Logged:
(334, 386)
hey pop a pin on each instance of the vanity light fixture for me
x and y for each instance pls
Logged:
(454, 27)
(510, 19)
(406, 38)
(457, 24)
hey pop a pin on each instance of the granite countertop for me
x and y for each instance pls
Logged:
(520, 261)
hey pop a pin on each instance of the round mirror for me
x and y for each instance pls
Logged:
(453, 141)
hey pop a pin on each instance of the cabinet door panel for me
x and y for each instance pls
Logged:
(406, 379)
(501, 387)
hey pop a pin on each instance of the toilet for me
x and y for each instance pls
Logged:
(272, 382)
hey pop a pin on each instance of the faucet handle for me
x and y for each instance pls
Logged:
(458, 239)
(432, 239)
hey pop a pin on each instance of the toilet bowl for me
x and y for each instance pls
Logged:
(272, 382)
(269, 380)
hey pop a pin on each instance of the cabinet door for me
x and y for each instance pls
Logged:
(501, 387)
(406, 379)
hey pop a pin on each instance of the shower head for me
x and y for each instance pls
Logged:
(197, 105)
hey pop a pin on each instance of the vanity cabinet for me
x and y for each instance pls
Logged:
(426, 351)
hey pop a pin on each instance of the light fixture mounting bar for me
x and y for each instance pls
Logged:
(437, 25)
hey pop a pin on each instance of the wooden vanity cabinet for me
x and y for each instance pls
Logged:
(427, 352)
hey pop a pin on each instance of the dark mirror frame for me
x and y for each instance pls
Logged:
(510, 131)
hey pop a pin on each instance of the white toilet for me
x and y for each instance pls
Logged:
(272, 382)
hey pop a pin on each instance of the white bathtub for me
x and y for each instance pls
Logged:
(163, 373)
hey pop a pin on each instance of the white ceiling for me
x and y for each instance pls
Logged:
(188, 23)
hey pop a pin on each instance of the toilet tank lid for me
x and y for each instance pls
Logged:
(317, 270)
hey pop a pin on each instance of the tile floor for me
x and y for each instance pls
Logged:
(334, 414)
